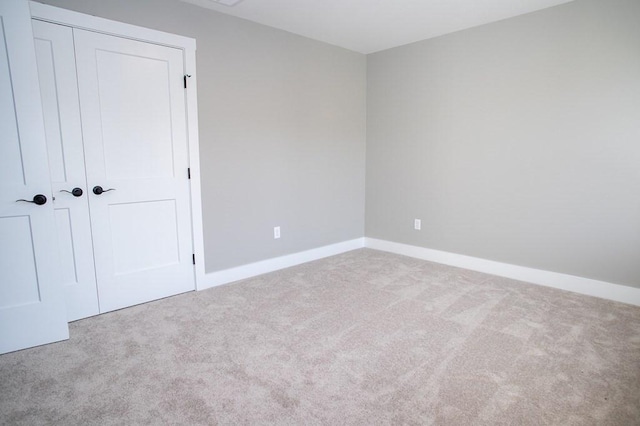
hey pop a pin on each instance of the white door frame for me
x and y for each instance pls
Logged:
(69, 18)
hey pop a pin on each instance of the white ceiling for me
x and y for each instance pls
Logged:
(368, 26)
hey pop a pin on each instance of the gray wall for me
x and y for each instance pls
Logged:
(282, 131)
(517, 141)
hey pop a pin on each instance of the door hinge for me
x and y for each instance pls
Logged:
(185, 80)
(189, 173)
(194, 258)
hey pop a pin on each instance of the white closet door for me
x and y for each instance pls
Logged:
(134, 125)
(59, 89)
(32, 310)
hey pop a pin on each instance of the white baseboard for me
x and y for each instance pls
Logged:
(601, 289)
(258, 268)
(587, 286)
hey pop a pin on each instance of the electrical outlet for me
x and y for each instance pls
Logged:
(417, 224)
(276, 232)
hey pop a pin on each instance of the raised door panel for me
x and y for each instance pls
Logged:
(134, 126)
(135, 107)
(59, 91)
(32, 310)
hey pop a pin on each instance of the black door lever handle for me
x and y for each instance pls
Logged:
(98, 190)
(76, 192)
(38, 199)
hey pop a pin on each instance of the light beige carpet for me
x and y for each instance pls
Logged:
(363, 338)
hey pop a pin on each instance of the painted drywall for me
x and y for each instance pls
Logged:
(517, 141)
(282, 131)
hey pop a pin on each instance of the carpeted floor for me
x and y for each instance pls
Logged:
(363, 338)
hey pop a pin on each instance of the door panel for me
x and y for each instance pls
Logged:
(67, 251)
(12, 172)
(155, 243)
(17, 264)
(59, 92)
(136, 130)
(32, 310)
(134, 127)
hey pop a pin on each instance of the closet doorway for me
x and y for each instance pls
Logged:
(119, 132)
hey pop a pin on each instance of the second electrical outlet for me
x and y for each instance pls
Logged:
(276, 232)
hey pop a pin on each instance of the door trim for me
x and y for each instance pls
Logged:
(56, 15)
